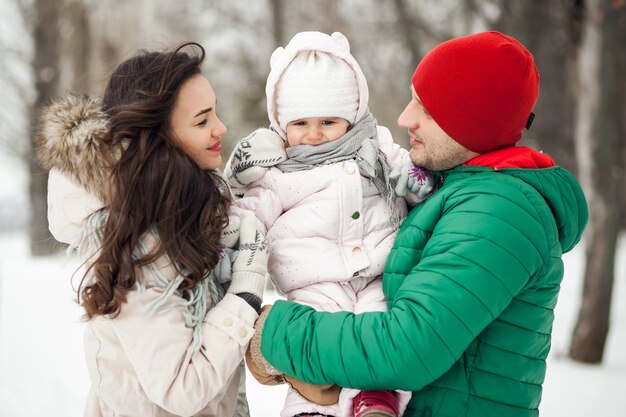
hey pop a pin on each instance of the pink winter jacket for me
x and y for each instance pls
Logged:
(327, 224)
(140, 364)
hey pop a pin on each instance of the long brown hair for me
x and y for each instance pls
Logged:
(155, 185)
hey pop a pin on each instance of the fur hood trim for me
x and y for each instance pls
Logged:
(70, 140)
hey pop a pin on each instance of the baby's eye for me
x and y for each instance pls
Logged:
(328, 122)
(298, 123)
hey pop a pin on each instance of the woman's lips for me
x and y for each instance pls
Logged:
(217, 147)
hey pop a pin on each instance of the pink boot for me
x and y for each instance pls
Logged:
(381, 403)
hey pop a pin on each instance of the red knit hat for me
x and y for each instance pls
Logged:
(480, 89)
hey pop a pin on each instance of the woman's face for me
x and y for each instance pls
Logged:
(196, 125)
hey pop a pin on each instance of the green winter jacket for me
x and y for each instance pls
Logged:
(472, 282)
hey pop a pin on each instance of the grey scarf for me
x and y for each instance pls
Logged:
(359, 143)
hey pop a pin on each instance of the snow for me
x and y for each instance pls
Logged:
(43, 373)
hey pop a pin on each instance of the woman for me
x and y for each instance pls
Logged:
(167, 322)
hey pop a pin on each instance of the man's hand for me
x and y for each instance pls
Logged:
(266, 374)
(261, 369)
(319, 394)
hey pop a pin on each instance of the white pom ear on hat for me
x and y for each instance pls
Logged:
(276, 56)
(340, 42)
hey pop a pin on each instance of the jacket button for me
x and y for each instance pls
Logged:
(243, 332)
(356, 250)
(356, 215)
(228, 322)
(350, 169)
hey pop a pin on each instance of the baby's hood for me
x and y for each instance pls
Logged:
(335, 44)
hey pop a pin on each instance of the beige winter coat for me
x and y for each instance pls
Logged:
(141, 367)
(140, 364)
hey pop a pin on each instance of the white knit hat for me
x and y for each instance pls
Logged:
(315, 76)
(316, 84)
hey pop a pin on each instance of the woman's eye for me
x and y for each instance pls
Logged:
(202, 123)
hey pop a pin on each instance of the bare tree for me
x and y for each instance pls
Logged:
(15, 81)
(75, 47)
(277, 8)
(601, 98)
(551, 32)
(60, 62)
(408, 27)
(46, 66)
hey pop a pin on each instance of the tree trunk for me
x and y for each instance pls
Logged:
(408, 29)
(619, 49)
(597, 141)
(549, 31)
(331, 18)
(76, 48)
(46, 68)
(277, 8)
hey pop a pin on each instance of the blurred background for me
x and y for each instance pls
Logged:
(51, 47)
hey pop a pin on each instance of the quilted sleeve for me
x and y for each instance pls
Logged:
(262, 199)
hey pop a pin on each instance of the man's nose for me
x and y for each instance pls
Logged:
(402, 119)
(408, 119)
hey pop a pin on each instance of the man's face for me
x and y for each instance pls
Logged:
(431, 147)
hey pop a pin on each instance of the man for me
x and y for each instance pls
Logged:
(474, 274)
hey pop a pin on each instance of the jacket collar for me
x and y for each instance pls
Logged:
(512, 157)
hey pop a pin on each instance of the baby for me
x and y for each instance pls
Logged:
(324, 181)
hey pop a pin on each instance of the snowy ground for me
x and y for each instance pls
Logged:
(42, 370)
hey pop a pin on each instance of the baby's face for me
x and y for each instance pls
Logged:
(316, 130)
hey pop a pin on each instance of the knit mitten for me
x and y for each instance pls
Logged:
(230, 234)
(250, 266)
(413, 180)
(251, 158)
